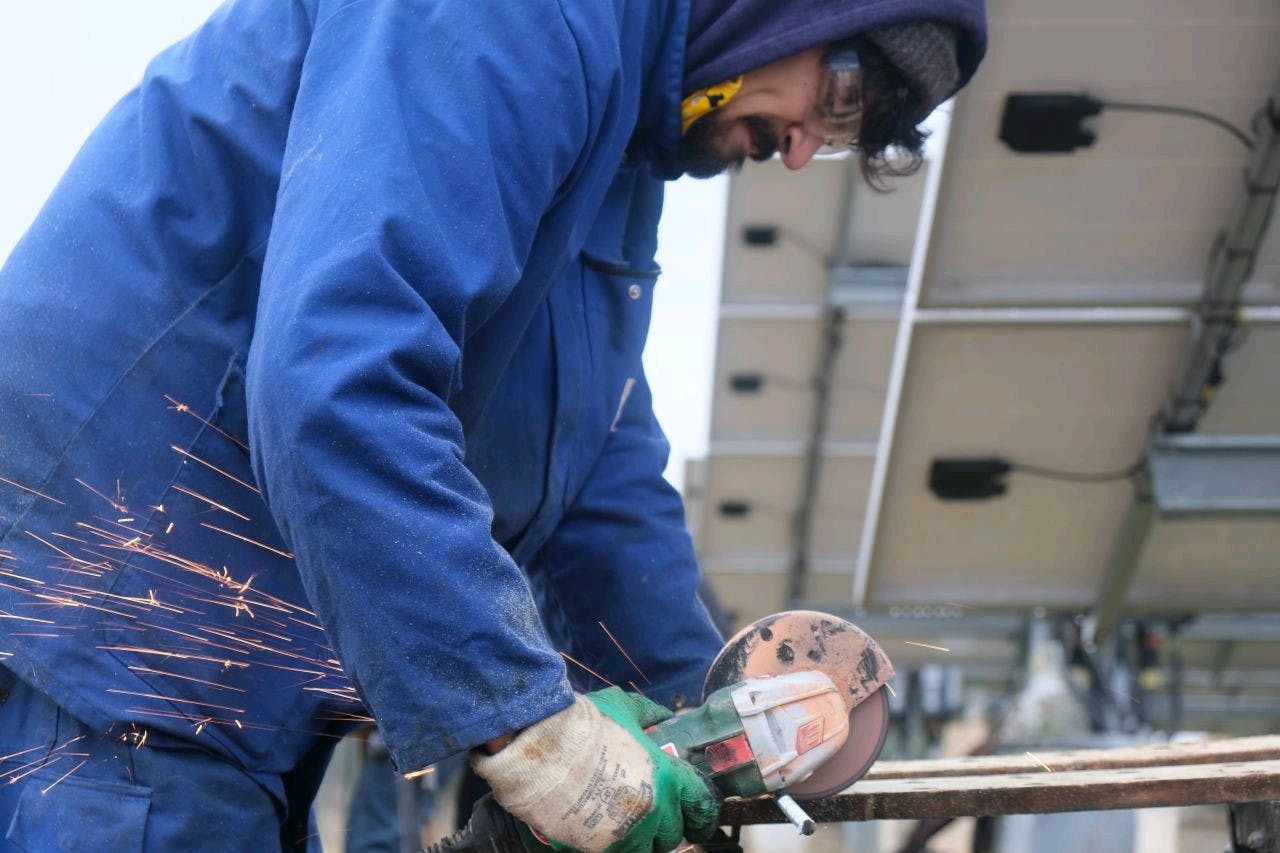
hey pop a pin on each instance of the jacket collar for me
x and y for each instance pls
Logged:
(657, 133)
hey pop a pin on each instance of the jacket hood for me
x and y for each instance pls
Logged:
(731, 37)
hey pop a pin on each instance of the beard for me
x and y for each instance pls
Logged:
(698, 155)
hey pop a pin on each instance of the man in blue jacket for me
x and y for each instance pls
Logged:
(321, 398)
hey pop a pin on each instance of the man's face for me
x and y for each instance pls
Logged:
(772, 113)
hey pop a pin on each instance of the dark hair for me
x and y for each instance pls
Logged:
(890, 144)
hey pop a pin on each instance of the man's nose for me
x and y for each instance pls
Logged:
(801, 145)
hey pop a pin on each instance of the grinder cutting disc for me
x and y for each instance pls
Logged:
(799, 640)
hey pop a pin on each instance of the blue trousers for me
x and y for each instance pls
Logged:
(66, 788)
(374, 821)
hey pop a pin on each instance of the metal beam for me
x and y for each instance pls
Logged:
(918, 621)
(1050, 316)
(802, 522)
(898, 369)
(1230, 266)
(1122, 567)
(861, 285)
(1224, 706)
(840, 291)
(1216, 474)
(767, 448)
(1241, 627)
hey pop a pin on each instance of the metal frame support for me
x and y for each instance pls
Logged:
(1216, 474)
(1122, 566)
(1230, 266)
(833, 316)
(802, 521)
(1217, 316)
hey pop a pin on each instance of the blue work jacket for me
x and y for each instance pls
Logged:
(321, 389)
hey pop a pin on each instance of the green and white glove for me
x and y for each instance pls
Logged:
(590, 778)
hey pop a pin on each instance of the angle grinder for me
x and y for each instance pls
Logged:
(794, 706)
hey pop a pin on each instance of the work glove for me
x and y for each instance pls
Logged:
(590, 779)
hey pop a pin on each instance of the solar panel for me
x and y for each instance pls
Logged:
(1048, 310)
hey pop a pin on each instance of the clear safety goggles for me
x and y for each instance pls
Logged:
(837, 116)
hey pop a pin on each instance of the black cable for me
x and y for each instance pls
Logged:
(1182, 111)
(1239, 337)
(1080, 476)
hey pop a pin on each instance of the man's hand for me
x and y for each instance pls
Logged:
(591, 779)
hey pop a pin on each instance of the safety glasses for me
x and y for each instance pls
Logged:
(837, 116)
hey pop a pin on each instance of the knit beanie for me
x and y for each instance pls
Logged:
(924, 53)
(726, 38)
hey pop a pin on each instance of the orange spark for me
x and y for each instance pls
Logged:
(140, 650)
(63, 776)
(346, 694)
(137, 534)
(418, 774)
(210, 501)
(32, 491)
(571, 659)
(185, 409)
(132, 601)
(927, 646)
(135, 737)
(347, 717)
(215, 721)
(40, 764)
(118, 507)
(69, 601)
(1041, 763)
(149, 671)
(609, 633)
(16, 754)
(47, 759)
(4, 614)
(176, 700)
(284, 554)
(9, 574)
(213, 467)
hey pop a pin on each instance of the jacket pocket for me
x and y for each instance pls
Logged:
(618, 303)
(79, 814)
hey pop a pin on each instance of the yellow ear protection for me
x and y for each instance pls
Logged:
(705, 100)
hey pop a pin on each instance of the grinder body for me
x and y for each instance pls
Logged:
(761, 734)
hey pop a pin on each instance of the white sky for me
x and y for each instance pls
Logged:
(63, 63)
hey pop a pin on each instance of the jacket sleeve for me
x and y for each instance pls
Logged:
(622, 559)
(423, 150)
